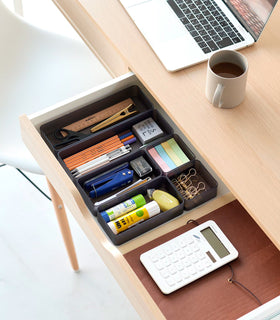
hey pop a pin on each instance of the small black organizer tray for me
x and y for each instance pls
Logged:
(159, 179)
(49, 129)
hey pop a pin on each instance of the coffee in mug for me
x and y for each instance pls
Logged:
(226, 78)
(227, 70)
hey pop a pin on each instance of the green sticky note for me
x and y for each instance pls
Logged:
(179, 152)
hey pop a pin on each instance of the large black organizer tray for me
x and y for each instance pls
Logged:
(158, 179)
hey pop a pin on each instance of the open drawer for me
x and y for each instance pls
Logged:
(69, 193)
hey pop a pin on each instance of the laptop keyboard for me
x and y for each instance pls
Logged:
(207, 24)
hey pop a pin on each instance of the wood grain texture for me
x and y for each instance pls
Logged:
(64, 226)
(241, 144)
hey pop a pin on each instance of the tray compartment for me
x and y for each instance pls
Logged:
(127, 158)
(161, 183)
(203, 176)
(113, 130)
(187, 151)
(141, 102)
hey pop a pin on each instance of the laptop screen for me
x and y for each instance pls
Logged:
(253, 13)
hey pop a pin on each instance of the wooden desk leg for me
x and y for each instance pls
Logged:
(64, 226)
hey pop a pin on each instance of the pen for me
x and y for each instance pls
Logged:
(132, 186)
(100, 161)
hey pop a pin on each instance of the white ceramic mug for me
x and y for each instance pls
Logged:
(226, 90)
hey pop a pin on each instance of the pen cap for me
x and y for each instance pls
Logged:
(152, 208)
(139, 200)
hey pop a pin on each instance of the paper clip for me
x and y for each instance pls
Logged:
(124, 113)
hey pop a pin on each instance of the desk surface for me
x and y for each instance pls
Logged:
(241, 144)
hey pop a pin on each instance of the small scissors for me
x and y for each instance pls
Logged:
(70, 136)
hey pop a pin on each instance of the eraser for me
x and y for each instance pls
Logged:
(147, 130)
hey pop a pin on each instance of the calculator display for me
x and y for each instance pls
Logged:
(215, 242)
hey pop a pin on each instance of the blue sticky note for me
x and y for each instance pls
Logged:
(165, 157)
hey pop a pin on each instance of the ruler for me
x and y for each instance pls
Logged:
(97, 117)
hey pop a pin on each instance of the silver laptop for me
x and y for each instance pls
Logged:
(185, 32)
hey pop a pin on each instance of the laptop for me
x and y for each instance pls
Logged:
(186, 32)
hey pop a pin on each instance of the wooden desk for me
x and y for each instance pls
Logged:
(241, 145)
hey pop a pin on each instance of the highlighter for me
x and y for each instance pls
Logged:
(132, 218)
(123, 208)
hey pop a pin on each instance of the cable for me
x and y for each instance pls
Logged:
(231, 280)
(193, 221)
(2, 165)
(34, 184)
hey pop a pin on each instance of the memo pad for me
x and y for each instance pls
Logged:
(257, 268)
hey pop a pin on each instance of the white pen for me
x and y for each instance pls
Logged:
(135, 184)
(93, 164)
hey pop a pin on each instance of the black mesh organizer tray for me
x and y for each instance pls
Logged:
(158, 179)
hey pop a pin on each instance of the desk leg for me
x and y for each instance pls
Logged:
(64, 226)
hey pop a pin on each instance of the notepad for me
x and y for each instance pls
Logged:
(165, 157)
(173, 156)
(174, 145)
(169, 155)
(159, 160)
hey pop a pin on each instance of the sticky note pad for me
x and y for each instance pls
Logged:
(171, 153)
(179, 152)
(159, 160)
(147, 130)
(165, 157)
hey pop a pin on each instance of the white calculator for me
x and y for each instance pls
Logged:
(188, 257)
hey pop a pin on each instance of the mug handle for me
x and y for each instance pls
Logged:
(216, 101)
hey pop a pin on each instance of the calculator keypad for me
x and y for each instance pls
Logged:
(178, 261)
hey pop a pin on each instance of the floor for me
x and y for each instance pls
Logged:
(36, 279)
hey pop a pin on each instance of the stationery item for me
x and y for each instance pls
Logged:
(130, 141)
(123, 208)
(99, 149)
(226, 79)
(192, 254)
(159, 160)
(132, 186)
(96, 117)
(100, 161)
(88, 184)
(111, 182)
(141, 166)
(120, 115)
(171, 153)
(68, 136)
(168, 155)
(178, 151)
(132, 218)
(147, 130)
(93, 152)
(165, 157)
(164, 199)
(189, 185)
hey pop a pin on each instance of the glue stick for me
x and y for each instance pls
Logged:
(130, 219)
(123, 208)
